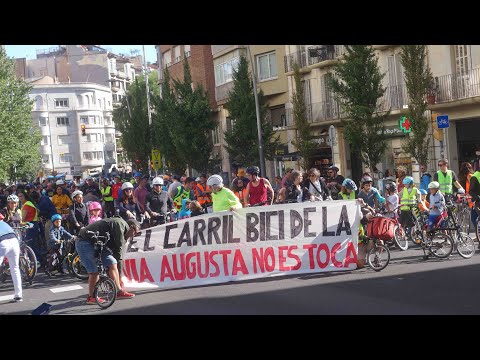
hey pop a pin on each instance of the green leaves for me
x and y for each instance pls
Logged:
(242, 140)
(20, 141)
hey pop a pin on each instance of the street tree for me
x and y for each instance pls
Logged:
(131, 119)
(418, 80)
(357, 85)
(20, 141)
(242, 140)
(303, 138)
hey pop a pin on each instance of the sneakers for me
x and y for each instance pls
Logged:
(122, 294)
(91, 301)
(18, 299)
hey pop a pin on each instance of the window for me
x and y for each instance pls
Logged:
(108, 121)
(61, 103)
(109, 155)
(45, 159)
(215, 136)
(84, 120)
(224, 72)
(43, 121)
(62, 121)
(267, 66)
(186, 50)
(176, 54)
(93, 155)
(167, 58)
(109, 138)
(44, 140)
(63, 139)
(66, 158)
(92, 120)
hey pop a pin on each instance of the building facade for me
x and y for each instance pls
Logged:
(62, 112)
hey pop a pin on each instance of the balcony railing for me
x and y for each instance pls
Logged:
(457, 86)
(313, 55)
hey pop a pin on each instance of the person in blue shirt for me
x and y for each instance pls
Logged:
(57, 234)
(425, 178)
(370, 195)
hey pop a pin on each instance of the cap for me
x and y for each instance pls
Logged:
(241, 172)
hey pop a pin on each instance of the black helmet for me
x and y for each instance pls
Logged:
(253, 170)
(391, 186)
(366, 179)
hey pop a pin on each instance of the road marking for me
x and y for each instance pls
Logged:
(6, 297)
(66, 288)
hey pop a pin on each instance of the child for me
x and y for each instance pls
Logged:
(423, 205)
(391, 200)
(185, 212)
(437, 204)
(348, 190)
(95, 210)
(57, 233)
(196, 208)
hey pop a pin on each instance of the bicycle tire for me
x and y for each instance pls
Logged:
(28, 264)
(400, 238)
(441, 242)
(77, 269)
(105, 288)
(465, 245)
(373, 257)
(4, 272)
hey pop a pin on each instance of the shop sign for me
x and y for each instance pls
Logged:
(392, 131)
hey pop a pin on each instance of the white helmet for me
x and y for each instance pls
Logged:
(157, 181)
(13, 198)
(127, 185)
(215, 180)
(76, 192)
(59, 182)
(434, 185)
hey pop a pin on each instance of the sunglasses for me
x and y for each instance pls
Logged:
(441, 164)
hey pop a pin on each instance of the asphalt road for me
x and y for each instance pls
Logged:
(409, 285)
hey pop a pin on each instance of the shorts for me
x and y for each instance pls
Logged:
(86, 250)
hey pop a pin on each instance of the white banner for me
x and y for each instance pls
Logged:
(249, 243)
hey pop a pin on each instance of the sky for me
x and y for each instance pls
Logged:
(29, 51)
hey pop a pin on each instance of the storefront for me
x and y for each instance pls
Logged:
(394, 155)
(468, 141)
(322, 157)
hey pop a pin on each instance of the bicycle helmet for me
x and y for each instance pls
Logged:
(215, 180)
(56, 217)
(253, 170)
(13, 198)
(434, 185)
(423, 191)
(137, 174)
(349, 184)
(94, 206)
(127, 185)
(366, 179)
(391, 186)
(408, 180)
(157, 181)
(77, 192)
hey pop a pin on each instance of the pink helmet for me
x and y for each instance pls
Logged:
(94, 206)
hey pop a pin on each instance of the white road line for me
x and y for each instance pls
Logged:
(66, 288)
(6, 297)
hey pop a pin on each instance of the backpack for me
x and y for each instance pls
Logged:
(381, 228)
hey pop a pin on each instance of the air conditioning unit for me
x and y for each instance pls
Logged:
(188, 53)
(178, 58)
(168, 64)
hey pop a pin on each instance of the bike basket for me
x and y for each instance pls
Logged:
(381, 228)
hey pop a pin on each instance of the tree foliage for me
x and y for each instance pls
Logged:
(303, 139)
(242, 141)
(184, 122)
(20, 141)
(357, 85)
(131, 119)
(418, 80)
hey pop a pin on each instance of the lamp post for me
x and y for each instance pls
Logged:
(257, 110)
(148, 106)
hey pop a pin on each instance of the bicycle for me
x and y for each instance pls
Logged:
(378, 257)
(399, 238)
(28, 260)
(460, 210)
(464, 244)
(105, 288)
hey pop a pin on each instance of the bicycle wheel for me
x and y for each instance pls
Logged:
(378, 257)
(4, 271)
(441, 245)
(105, 290)
(400, 238)
(477, 231)
(77, 269)
(28, 264)
(465, 245)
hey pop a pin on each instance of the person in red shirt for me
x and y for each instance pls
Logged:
(115, 188)
(257, 188)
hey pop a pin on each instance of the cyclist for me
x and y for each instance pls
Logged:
(391, 200)
(30, 215)
(348, 190)
(10, 248)
(61, 200)
(120, 232)
(79, 214)
(447, 179)
(95, 210)
(257, 188)
(370, 194)
(223, 199)
(158, 202)
(474, 192)
(437, 204)
(409, 196)
(12, 213)
(423, 205)
(128, 206)
(57, 233)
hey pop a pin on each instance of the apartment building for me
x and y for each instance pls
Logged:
(60, 111)
(270, 78)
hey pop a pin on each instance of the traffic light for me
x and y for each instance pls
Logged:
(83, 130)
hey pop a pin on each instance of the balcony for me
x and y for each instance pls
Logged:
(457, 86)
(313, 55)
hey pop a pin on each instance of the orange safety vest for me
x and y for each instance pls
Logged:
(467, 190)
(202, 199)
(241, 195)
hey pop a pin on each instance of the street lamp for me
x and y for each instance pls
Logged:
(257, 110)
